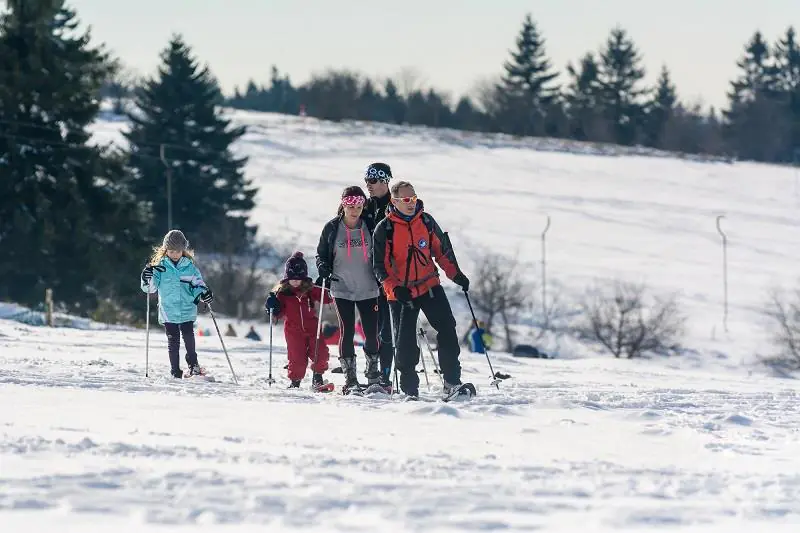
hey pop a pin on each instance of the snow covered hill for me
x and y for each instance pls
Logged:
(702, 442)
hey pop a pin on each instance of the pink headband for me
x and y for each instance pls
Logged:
(352, 201)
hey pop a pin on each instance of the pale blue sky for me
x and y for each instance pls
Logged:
(452, 43)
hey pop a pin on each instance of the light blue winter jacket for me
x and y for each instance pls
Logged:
(177, 288)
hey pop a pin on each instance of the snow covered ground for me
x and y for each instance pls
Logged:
(704, 442)
(589, 444)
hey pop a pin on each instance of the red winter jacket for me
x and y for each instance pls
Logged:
(298, 309)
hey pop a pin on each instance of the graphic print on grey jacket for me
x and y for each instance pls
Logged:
(347, 253)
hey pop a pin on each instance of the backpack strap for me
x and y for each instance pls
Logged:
(426, 219)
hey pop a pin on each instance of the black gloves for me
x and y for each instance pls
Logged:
(461, 279)
(147, 273)
(206, 297)
(272, 304)
(403, 294)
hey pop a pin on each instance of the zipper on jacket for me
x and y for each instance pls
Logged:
(300, 307)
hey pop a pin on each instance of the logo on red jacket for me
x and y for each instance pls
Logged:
(422, 243)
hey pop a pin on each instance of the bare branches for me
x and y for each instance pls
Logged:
(629, 322)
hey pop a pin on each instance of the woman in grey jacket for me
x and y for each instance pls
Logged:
(344, 258)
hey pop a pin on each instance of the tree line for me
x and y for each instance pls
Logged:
(601, 97)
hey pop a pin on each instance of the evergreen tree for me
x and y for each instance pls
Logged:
(395, 104)
(67, 219)
(177, 112)
(787, 73)
(755, 121)
(583, 100)
(527, 87)
(620, 74)
(660, 109)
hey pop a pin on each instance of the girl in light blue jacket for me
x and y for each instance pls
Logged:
(172, 274)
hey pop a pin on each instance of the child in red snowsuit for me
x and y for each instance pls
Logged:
(294, 299)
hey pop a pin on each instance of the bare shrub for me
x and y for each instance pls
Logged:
(242, 279)
(783, 313)
(499, 290)
(628, 321)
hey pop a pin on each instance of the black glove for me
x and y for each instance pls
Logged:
(324, 271)
(272, 304)
(325, 279)
(461, 279)
(205, 297)
(147, 274)
(403, 294)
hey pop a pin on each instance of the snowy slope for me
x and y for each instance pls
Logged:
(639, 218)
(582, 443)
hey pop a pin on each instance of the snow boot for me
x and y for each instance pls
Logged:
(372, 372)
(195, 370)
(295, 384)
(176, 373)
(351, 383)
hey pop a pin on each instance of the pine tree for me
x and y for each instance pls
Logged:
(620, 74)
(755, 122)
(660, 109)
(582, 97)
(67, 218)
(177, 116)
(527, 86)
(396, 106)
(787, 78)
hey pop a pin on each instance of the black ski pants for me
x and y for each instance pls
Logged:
(174, 333)
(436, 307)
(368, 311)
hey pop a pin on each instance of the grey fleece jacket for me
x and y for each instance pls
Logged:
(352, 264)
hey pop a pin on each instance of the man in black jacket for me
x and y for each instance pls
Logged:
(377, 177)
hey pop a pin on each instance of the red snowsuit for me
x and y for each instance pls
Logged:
(300, 330)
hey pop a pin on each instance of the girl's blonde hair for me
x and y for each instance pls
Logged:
(285, 287)
(160, 252)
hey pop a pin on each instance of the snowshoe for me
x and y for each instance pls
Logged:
(320, 385)
(461, 391)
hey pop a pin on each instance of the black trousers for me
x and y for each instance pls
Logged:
(436, 307)
(368, 311)
(386, 344)
(174, 334)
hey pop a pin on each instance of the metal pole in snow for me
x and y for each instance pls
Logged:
(544, 274)
(724, 271)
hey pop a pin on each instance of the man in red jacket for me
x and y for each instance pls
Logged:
(406, 244)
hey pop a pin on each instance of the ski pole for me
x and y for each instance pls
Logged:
(147, 325)
(430, 350)
(319, 328)
(495, 381)
(210, 310)
(449, 246)
(270, 380)
(424, 369)
(147, 338)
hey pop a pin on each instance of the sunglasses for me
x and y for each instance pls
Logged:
(353, 201)
(406, 199)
